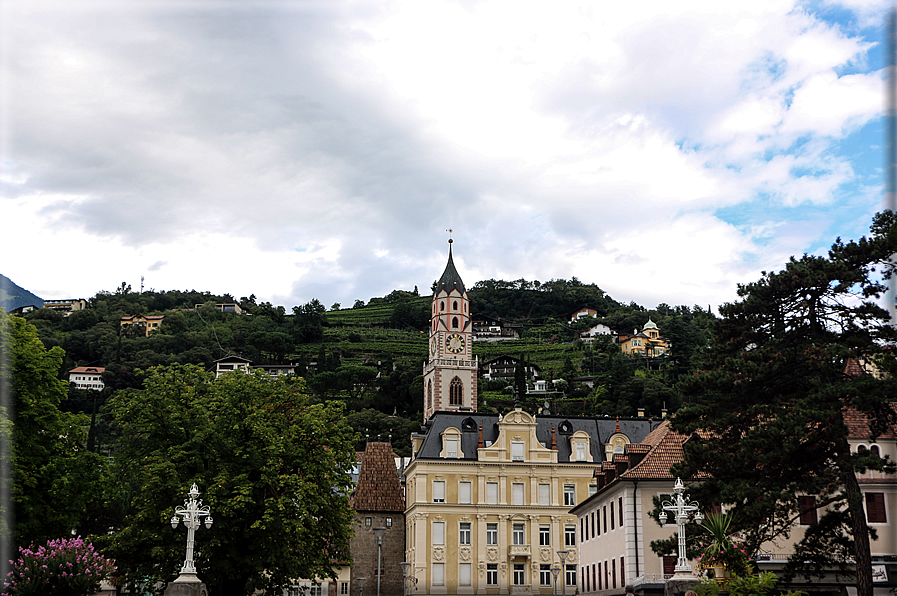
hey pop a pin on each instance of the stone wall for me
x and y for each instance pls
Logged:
(364, 553)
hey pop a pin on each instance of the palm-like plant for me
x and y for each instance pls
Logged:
(722, 548)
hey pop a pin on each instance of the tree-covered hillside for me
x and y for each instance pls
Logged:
(370, 356)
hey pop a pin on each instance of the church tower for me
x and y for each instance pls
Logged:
(450, 374)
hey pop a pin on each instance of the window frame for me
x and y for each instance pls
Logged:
(518, 533)
(437, 535)
(439, 489)
(491, 574)
(569, 535)
(569, 495)
(464, 533)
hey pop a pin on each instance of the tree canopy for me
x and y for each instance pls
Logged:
(773, 390)
(272, 465)
(55, 479)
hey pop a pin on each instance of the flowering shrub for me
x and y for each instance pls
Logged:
(61, 568)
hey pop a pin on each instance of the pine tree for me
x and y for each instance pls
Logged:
(766, 409)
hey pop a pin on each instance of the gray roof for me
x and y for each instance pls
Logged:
(450, 279)
(598, 429)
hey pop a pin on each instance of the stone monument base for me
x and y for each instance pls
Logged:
(187, 584)
(679, 584)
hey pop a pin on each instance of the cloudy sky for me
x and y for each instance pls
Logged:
(665, 151)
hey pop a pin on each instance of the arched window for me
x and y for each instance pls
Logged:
(455, 305)
(429, 395)
(454, 322)
(456, 392)
(441, 305)
(874, 449)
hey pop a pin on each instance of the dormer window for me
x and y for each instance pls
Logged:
(451, 444)
(451, 447)
(579, 447)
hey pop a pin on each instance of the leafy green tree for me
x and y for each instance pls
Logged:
(372, 425)
(273, 467)
(773, 390)
(349, 381)
(55, 477)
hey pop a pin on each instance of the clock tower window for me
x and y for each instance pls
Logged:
(454, 322)
(456, 392)
(455, 305)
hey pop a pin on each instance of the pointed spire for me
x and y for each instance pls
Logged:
(618, 424)
(481, 445)
(450, 279)
(554, 443)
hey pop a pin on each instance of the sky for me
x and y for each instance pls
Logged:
(665, 151)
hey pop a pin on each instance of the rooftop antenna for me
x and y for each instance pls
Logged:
(891, 165)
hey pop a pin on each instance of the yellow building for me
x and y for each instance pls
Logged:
(488, 497)
(647, 342)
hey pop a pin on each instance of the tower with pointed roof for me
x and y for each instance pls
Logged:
(450, 374)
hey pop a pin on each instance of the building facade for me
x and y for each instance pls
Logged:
(488, 498)
(615, 528)
(378, 504)
(88, 377)
(450, 374)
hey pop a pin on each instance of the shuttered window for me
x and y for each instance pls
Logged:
(807, 510)
(875, 508)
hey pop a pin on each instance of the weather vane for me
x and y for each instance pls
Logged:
(450, 235)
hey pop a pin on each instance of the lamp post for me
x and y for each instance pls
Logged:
(405, 565)
(554, 571)
(680, 509)
(379, 532)
(562, 554)
(192, 511)
(360, 581)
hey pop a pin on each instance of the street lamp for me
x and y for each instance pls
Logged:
(360, 581)
(562, 554)
(192, 511)
(379, 532)
(680, 509)
(405, 565)
(554, 571)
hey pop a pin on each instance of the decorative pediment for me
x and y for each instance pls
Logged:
(518, 417)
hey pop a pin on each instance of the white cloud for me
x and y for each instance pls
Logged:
(569, 141)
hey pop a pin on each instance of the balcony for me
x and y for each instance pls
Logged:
(520, 550)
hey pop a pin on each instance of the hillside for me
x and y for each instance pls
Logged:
(371, 356)
(13, 296)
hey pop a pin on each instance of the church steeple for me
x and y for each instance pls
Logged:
(450, 373)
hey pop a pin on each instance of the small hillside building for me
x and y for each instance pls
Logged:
(647, 342)
(141, 325)
(88, 377)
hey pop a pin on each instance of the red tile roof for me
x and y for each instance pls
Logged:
(665, 449)
(858, 425)
(88, 369)
(378, 487)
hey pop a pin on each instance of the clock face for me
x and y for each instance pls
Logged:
(454, 343)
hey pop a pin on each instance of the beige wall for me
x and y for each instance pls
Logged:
(495, 465)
